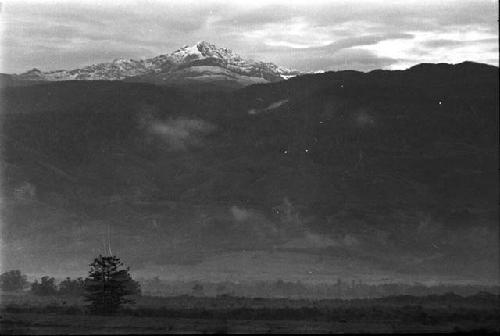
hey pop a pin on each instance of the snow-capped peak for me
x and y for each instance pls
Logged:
(204, 44)
(210, 50)
(203, 56)
(186, 53)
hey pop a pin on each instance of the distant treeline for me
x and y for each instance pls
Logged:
(16, 281)
(341, 289)
(287, 289)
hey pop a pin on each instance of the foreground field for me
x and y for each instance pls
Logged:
(185, 314)
(55, 324)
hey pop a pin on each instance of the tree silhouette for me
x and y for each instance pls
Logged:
(71, 287)
(109, 285)
(46, 286)
(13, 281)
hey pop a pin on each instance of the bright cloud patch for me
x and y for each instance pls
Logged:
(451, 46)
(179, 134)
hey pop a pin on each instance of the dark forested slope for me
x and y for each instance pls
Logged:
(395, 169)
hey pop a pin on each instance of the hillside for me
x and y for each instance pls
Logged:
(365, 175)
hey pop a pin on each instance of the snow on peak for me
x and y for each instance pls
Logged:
(186, 53)
(208, 49)
(204, 44)
(203, 53)
(121, 61)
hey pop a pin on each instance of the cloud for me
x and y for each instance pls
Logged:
(240, 214)
(67, 34)
(461, 45)
(450, 43)
(257, 17)
(346, 59)
(364, 40)
(313, 241)
(180, 134)
(255, 222)
(442, 43)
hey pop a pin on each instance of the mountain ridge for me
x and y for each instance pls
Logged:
(202, 62)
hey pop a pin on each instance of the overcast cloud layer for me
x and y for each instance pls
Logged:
(305, 35)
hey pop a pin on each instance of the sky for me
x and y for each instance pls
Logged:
(304, 35)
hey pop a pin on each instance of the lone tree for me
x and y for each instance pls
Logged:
(13, 281)
(109, 285)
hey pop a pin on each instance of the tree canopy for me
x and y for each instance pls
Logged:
(13, 281)
(109, 285)
(46, 286)
(72, 287)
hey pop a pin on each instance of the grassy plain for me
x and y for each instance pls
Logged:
(185, 314)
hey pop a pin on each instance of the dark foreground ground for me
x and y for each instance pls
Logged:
(185, 314)
(57, 324)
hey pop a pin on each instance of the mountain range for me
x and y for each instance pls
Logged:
(203, 63)
(378, 175)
